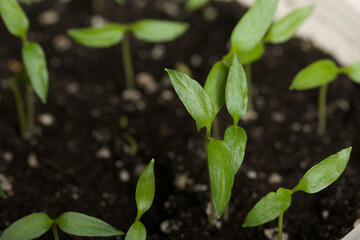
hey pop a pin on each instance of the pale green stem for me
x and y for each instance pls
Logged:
(215, 128)
(248, 71)
(132, 143)
(55, 231)
(129, 71)
(322, 109)
(280, 226)
(20, 109)
(30, 109)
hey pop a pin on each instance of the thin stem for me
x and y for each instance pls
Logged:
(55, 231)
(132, 143)
(20, 109)
(206, 142)
(129, 71)
(215, 128)
(30, 109)
(280, 226)
(247, 68)
(322, 110)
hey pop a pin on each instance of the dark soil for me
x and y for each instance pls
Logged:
(86, 101)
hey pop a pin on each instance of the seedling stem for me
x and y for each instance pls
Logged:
(55, 231)
(129, 71)
(247, 68)
(280, 225)
(30, 108)
(322, 109)
(215, 128)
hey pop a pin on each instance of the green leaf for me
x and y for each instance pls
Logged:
(27, 228)
(286, 27)
(120, 2)
(215, 85)
(353, 71)
(247, 57)
(194, 98)
(253, 25)
(221, 173)
(236, 91)
(193, 5)
(2, 194)
(324, 173)
(236, 138)
(99, 37)
(145, 190)
(137, 231)
(79, 224)
(156, 31)
(14, 18)
(268, 208)
(315, 75)
(35, 65)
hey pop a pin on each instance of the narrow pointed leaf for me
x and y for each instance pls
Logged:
(14, 18)
(221, 173)
(236, 138)
(194, 98)
(79, 224)
(353, 71)
(236, 91)
(215, 85)
(268, 208)
(286, 27)
(145, 190)
(99, 37)
(193, 5)
(253, 25)
(2, 194)
(27, 228)
(315, 75)
(137, 231)
(246, 57)
(158, 30)
(35, 65)
(324, 173)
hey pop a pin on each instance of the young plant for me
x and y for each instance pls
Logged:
(2, 194)
(318, 75)
(149, 30)
(224, 156)
(248, 39)
(193, 5)
(36, 76)
(78, 224)
(320, 176)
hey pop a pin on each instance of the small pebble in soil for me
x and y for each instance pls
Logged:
(251, 174)
(8, 156)
(210, 13)
(158, 52)
(48, 17)
(32, 160)
(342, 104)
(147, 82)
(5, 183)
(167, 95)
(46, 119)
(325, 214)
(139, 168)
(75, 196)
(296, 127)
(97, 21)
(61, 43)
(95, 113)
(165, 226)
(124, 175)
(306, 128)
(131, 95)
(250, 116)
(275, 178)
(171, 8)
(72, 87)
(196, 60)
(182, 180)
(200, 187)
(103, 153)
(14, 66)
(278, 117)
(271, 234)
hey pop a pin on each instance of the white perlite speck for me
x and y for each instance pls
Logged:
(46, 119)
(32, 160)
(49, 17)
(103, 153)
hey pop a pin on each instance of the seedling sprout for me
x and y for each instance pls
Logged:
(78, 224)
(36, 77)
(318, 75)
(320, 176)
(110, 34)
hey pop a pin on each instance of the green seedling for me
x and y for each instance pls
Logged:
(193, 5)
(320, 176)
(149, 30)
(224, 156)
(78, 224)
(123, 122)
(2, 194)
(36, 77)
(318, 75)
(248, 39)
